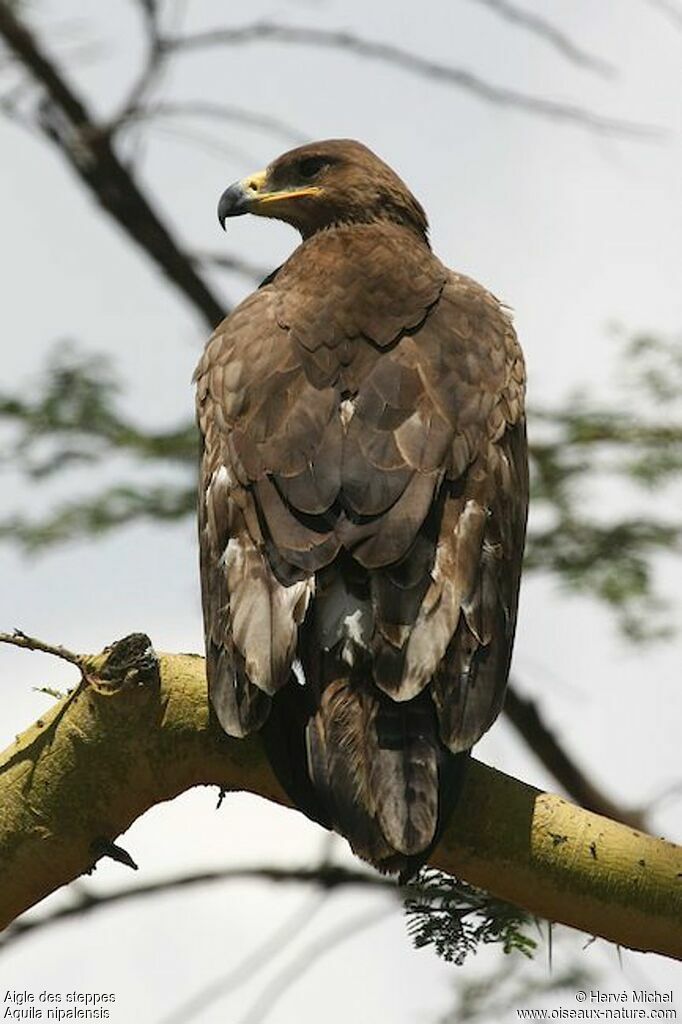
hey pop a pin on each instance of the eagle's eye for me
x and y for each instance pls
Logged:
(311, 166)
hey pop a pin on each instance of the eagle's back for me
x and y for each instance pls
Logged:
(362, 517)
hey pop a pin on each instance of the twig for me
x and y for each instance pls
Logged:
(153, 63)
(213, 111)
(11, 109)
(671, 9)
(266, 31)
(304, 960)
(323, 877)
(226, 261)
(250, 965)
(103, 847)
(66, 120)
(215, 146)
(671, 792)
(29, 643)
(545, 29)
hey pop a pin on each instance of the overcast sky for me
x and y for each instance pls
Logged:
(574, 230)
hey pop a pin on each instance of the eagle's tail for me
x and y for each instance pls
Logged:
(377, 771)
(350, 755)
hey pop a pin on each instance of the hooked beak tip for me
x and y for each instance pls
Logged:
(233, 203)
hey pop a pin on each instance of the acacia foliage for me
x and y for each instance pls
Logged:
(74, 415)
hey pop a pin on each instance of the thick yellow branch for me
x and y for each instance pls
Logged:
(132, 736)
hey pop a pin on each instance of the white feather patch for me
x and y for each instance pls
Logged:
(346, 410)
(222, 479)
(355, 626)
(452, 578)
(233, 556)
(265, 614)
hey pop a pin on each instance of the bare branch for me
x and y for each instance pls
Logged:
(266, 31)
(671, 792)
(152, 66)
(250, 965)
(30, 643)
(671, 9)
(226, 261)
(526, 719)
(66, 121)
(150, 13)
(545, 29)
(306, 958)
(10, 106)
(212, 111)
(325, 877)
(213, 144)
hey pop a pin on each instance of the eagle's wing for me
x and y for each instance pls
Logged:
(363, 506)
(460, 639)
(256, 411)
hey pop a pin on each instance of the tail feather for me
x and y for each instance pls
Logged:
(340, 746)
(379, 769)
(403, 777)
(351, 752)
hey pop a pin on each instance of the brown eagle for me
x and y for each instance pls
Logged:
(363, 503)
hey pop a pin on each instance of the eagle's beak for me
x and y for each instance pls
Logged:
(251, 195)
(239, 197)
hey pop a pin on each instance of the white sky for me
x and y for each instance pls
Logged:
(572, 230)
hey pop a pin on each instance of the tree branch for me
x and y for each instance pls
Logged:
(227, 261)
(306, 958)
(152, 65)
(325, 877)
(526, 719)
(544, 29)
(30, 643)
(86, 145)
(139, 732)
(671, 9)
(253, 963)
(387, 53)
(212, 111)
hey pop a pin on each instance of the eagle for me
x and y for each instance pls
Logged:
(362, 505)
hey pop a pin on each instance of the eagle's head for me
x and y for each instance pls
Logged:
(324, 184)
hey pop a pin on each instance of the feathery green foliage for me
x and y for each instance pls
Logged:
(73, 417)
(456, 918)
